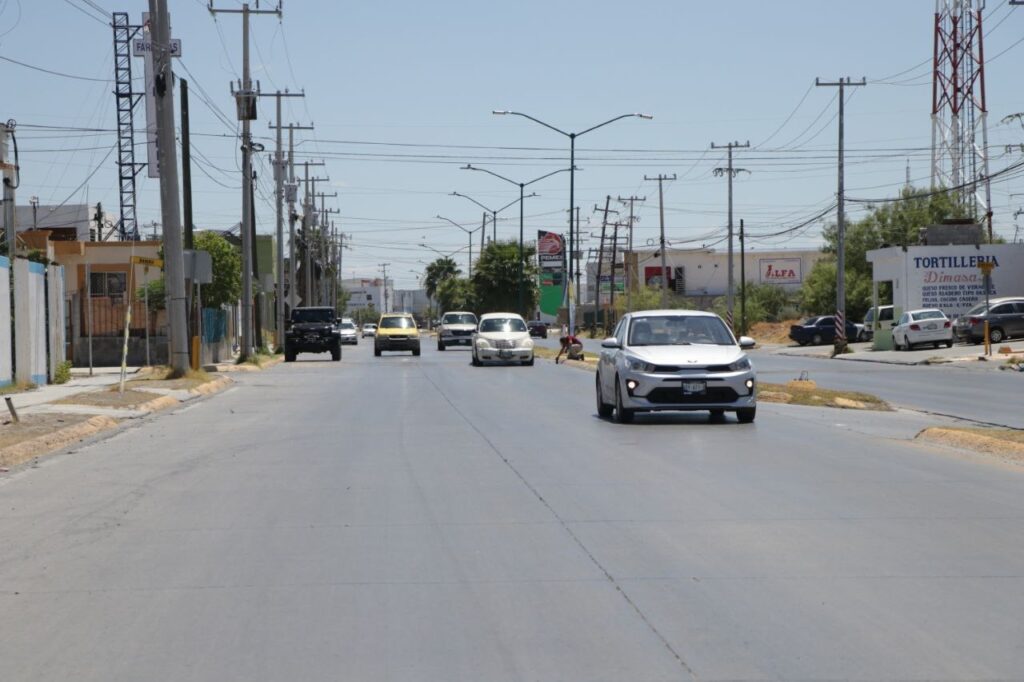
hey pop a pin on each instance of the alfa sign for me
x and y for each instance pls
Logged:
(780, 270)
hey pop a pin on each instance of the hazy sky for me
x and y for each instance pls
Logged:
(401, 94)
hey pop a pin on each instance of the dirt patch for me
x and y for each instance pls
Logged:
(1007, 443)
(183, 383)
(33, 425)
(772, 332)
(808, 393)
(131, 398)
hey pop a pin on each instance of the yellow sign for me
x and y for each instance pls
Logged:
(142, 260)
(986, 267)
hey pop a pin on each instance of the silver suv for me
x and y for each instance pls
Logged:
(456, 329)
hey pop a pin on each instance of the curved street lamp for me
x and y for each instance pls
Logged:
(572, 183)
(494, 213)
(469, 232)
(522, 187)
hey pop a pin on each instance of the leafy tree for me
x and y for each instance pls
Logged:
(438, 271)
(496, 278)
(456, 293)
(157, 294)
(765, 303)
(649, 298)
(227, 270)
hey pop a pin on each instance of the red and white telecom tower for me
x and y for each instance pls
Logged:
(959, 112)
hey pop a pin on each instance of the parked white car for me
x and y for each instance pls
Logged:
(928, 325)
(675, 360)
(503, 337)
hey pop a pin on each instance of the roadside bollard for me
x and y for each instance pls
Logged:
(10, 408)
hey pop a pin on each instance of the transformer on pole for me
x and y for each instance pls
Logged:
(959, 111)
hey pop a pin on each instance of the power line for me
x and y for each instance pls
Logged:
(56, 73)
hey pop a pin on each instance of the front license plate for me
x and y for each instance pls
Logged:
(691, 387)
(504, 354)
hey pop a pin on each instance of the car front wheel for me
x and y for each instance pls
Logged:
(816, 340)
(604, 410)
(746, 415)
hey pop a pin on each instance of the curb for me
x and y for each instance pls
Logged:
(215, 385)
(161, 403)
(226, 367)
(22, 452)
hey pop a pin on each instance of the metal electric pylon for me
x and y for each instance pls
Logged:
(959, 113)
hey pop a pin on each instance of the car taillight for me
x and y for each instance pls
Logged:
(946, 324)
(915, 327)
(974, 320)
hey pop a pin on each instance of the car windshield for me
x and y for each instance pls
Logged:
(397, 323)
(459, 318)
(347, 325)
(810, 321)
(503, 324)
(929, 315)
(312, 315)
(676, 330)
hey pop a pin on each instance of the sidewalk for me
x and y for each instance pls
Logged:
(862, 352)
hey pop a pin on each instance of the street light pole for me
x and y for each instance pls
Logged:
(522, 187)
(469, 233)
(572, 182)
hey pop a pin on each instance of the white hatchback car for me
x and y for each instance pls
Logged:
(503, 337)
(928, 325)
(675, 360)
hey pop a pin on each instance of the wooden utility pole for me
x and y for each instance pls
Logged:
(661, 217)
(630, 272)
(730, 173)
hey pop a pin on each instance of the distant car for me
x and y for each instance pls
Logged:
(819, 330)
(396, 331)
(1005, 317)
(503, 337)
(928, 325)
(675, 360)
(369, 329)
(311, 330)
(348, 332)
(883, 313)
(456, 329)
(538, 329)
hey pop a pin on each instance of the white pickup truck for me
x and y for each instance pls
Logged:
(456, 329)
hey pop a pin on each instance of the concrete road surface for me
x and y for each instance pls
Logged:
(403, 518)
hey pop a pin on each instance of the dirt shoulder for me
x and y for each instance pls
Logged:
(1006, 444)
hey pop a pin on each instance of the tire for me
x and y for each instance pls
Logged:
(996, 335)
(816, 340)
(336, 353)
(802, 343)
(622, 415)
(936, 345)
(475, 361)
(906, 344)
(376, 351)
(440, 346)
(949, 344)
(746, 415)
(416, 352)
(604, 410)
(528, 363)
(289, 357)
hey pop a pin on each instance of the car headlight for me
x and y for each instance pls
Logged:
(481, 342)
(526, 343)
(638, 365)
(740, 365)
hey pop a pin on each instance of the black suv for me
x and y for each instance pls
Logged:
(312, 330)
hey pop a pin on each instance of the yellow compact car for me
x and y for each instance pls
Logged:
(396, 331)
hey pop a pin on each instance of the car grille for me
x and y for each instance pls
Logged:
(394, 337)
(504, 344)
(460, 332)
(674, 395)
(672, 369)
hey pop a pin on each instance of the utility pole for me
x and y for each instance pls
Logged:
(743, 284)
(630, 274)
(600, 259)
(279, 205)
(291, 195)
(661, 240)
(245, 100)
(384, 268)
(11, 182)
(322, 242)
(167, 155)
(730, 173)
(840, 339)
(308, 220)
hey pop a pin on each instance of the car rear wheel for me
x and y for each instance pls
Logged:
(906, 343)
(995, 335)
(289, 357)
(622, 415)
(949, 344)
(746, 415)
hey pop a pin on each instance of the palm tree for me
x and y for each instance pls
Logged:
(437, 272)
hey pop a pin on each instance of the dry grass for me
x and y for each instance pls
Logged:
(20, 387)
(807, 393)
(110, 398)
(163, 377)
(1006, 443)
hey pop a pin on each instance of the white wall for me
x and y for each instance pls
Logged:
(30, 314)
(57, 316)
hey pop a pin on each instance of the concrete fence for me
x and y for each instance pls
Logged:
(6, 358)
(39, 321)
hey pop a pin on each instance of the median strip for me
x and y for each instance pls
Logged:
(1006, 443)
(806, 392)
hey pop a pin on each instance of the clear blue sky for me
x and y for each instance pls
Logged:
(423, 77)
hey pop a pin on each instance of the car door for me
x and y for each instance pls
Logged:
(609, 359)
(827, 328)
(1002, 316)
(899, 330)
(1018, 319)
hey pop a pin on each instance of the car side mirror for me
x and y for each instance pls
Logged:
(746, 343)
(610, 342)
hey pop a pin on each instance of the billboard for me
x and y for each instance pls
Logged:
(780, 270)
(550, 250)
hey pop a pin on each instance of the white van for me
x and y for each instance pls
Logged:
(884, 313)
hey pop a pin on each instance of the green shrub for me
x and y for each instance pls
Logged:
(62, 374)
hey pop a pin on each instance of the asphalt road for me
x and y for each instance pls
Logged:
(403, 518)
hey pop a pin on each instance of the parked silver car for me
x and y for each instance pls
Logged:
(675, 360)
